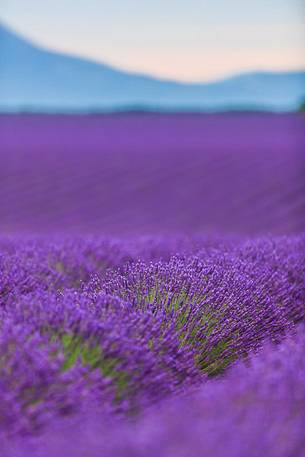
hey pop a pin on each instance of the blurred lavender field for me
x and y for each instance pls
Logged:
(152, 285)
(153, 173)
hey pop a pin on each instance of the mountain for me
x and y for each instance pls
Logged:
(36, 79)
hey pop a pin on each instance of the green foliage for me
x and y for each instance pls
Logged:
(90, 354)
(211, 362)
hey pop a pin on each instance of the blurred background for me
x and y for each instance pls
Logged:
(144, 117)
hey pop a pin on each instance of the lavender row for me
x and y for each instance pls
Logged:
(152, 173)
(257, 410)
(117, 326)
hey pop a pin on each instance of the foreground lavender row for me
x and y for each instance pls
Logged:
(258, 410)
(146, 173)
(170, 346)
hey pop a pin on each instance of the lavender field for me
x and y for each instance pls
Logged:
(153, 173)
(152, 285)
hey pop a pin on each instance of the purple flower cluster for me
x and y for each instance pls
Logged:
(170, 346)
(257, 410)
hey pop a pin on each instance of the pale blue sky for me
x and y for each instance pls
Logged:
(187, 40)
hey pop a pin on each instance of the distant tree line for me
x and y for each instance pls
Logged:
(302, 107)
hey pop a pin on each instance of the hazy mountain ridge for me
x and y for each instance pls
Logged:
(35, 79)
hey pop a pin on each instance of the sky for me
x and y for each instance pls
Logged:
(187, 40)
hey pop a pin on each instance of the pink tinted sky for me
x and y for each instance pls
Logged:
(192, 40)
